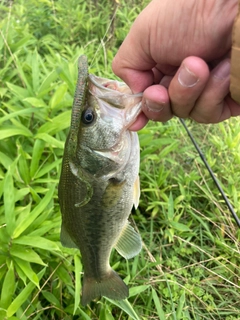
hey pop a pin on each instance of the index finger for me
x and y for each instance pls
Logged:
(133, 66)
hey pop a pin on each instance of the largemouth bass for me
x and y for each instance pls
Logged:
(99, 181)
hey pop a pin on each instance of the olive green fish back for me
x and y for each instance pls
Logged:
(79, 102)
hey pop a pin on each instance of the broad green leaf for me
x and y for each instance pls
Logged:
(137, 290)
(105, 314)
(36, 197)
(37, 242)
(23, 225)
(38, 103)
(2, 92)
(3, 314)
(23, 167)
(35, 71)
(23, 76)
(8, 131)
(27, 270)
(26, 254)
(170, 213)
(18, 124)
(158, 306)
(125, 306)
(50, 140)
(145, 140)
(58, 95)
(46, 84)
(83, 314)
(21, 193)
(20, 92)
(67, 76)
(9, 202)
(47, 168)
(179, 226)
(23, 212)
(5, 160)
(3, 269)
(23, 296)
(8, 288)
(36, 156)
(46, 227)
(20, 44)
(1, 185)
(15, 114)
(59, 123)
(20, 273)
(51, 298)
(78, 269)
(64, 275)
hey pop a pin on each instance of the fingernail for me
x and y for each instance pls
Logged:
(222, 71)
(187, 78)
(152, 106)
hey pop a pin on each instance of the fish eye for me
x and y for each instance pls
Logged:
(88, 116)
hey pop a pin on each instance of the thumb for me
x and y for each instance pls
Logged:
(137, 80)
(133, 62)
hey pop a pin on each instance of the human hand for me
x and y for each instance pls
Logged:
(177, 53)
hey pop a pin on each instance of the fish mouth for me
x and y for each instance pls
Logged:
(116, 98)
(112, 85)
(118, 107)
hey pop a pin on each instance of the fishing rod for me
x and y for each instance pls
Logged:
(230, 207)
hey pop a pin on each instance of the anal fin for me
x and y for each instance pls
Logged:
(129, 243)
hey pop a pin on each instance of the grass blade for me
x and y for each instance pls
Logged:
(180, 306)
(27, 270)
(158, 306)
(9, 202)
(7, 132)
(37, 242)
(23, 296)
(125, 306)
(24, 224)
(78, 269)
(8, 287)
(26, 254)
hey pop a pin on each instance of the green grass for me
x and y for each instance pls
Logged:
(189, 266)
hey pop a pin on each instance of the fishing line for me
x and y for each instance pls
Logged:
(211, 174)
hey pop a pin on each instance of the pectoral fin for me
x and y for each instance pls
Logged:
(66, 239)
(129, 243)
(81, 182)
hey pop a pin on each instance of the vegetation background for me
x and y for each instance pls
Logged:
(189, 266)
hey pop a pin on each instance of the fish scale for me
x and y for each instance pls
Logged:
(99, 181)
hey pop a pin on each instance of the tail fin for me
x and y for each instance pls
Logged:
(111, 286)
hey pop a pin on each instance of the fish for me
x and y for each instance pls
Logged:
(99, 181)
